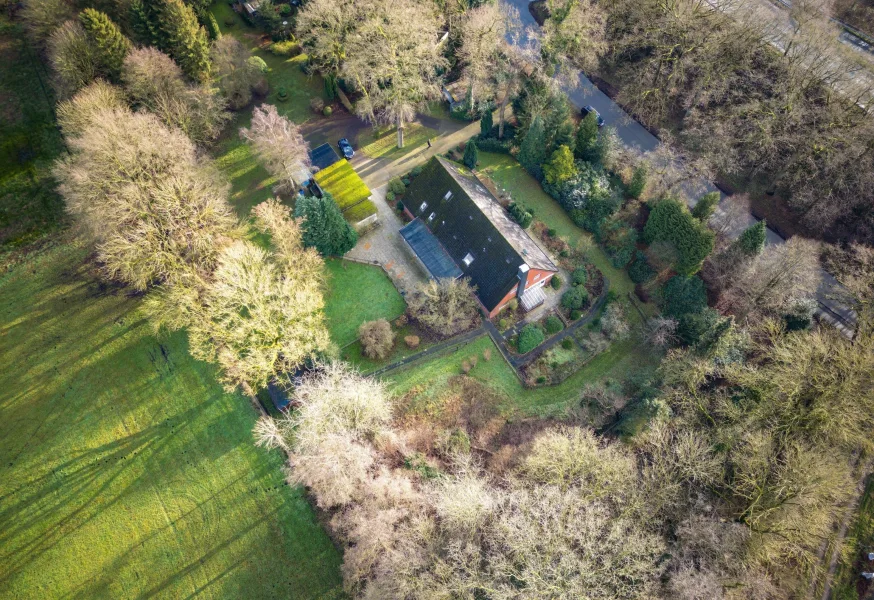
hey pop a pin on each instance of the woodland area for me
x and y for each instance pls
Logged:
(751, 435)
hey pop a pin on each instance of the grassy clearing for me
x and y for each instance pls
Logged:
(430, 378)
(508, 174)
(357, 293)
(383, 142)
(354, 353)
(125, 470)
(29, 142)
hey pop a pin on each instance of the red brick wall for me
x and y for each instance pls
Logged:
(535, 276)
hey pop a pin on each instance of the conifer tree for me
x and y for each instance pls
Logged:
(111, 46)
(144, 22)
(471, 154)
(587, 137)
(532, 154)
(324, 227)
(638, 182)
(752, 241)
(560, 167)
(486, 123)
(703, 210)
(186, 40)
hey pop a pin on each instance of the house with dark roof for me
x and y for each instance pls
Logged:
(459, 229)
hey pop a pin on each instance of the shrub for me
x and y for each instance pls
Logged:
(706, 206)
(575, 298)
(551, 232)
(640, 270)
(530, 337)
(397, 186)
(284, 48)
(567, 343)
(317, 104)
(444, 307)
(454, 443)
(281, 93)
(619, 241)
(575, 315)
(564, 253)
(406, 181)
(502, 324)
(684, 295)
(415, 171)
(520, 214)
(491, 144)
(284, 10)
(389, 196)
(412, 341)
(513, 304)
(471, 154)
(256, 62)
(560, 167)
(672, 222)
(553, 324)
(541, 379)
(579, 276)
(327, 111)
(487, 354)
(555, 282)
(377, 338)
(229, 21)
(399, 206)
(613, 323)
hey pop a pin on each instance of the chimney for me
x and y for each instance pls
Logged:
(523, 279)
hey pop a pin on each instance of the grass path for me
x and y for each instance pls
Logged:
(125, 470)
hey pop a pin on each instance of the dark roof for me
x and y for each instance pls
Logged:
(429, 250)
(470, 221)
(324, 156)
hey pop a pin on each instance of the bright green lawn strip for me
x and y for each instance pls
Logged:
(125, 470)
(343, 183)
(383, 142)
(619, 362)
(508, 174)
(357, 293)
(360, 211)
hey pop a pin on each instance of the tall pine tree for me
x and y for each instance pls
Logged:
(145, 22)
(705, 206)
(324, 227)
(186, 40)
(752, 241)
(587, 138)
(109, 43)
(532, 153)
(486, 124)
(471, 154)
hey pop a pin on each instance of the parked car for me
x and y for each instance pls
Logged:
(591, 109)
(346, 148)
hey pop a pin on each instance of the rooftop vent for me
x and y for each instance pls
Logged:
(468, 258)
(448, 195)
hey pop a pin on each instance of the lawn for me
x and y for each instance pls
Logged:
(383, 142)
(357, 293)
(354, 352)
(430, 377)
(508, 174)
(127, 472)
(858, 543)
(348, 190)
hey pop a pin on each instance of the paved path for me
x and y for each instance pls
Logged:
(516, 361)
(384, 246)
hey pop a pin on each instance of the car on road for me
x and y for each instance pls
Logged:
(591, 109)
(346, 148)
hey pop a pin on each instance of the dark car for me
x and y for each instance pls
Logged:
(346, 148)
(591, 109)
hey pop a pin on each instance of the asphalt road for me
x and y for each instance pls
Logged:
(633, 134)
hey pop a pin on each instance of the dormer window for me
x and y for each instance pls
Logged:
(431, 216)
(423, 207)
(448, 195)
(467, 259)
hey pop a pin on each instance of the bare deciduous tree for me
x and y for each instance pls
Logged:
(279, 144)
(72, 58)
(237, 75)
(446, 307)
(78, 113)
(156, 211)
(393, 58)
(156, 83)
(376, 338)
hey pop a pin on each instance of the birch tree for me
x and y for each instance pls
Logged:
(393, 58)
(279, 144)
